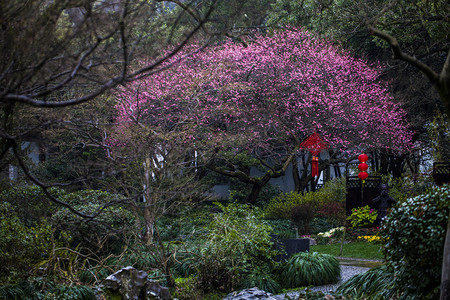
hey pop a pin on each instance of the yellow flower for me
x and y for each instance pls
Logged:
(370, 238)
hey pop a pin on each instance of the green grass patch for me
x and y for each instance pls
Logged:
(363, 250)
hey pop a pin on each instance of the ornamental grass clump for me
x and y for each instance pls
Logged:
(305, 269)
(373, 284)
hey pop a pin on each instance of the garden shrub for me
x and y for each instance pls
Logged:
(362, 216)
(21, 247)
(301, 217)
(414, 234)
(30, 203)
(320, 224)
(305, 269)
(327, 202)
(187, 288)
(238, 242)
(108, 226)
(283, 229)
(262, 279)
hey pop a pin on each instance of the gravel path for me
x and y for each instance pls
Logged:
(346, 273)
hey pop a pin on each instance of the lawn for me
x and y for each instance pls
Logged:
(363, 250)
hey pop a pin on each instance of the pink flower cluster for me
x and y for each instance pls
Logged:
(276, 91)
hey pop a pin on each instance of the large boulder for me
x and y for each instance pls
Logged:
(131, 284)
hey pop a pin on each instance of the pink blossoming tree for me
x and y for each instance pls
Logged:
(261, 100)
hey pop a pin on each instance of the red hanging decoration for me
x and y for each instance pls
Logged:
(363, 167)
(315, 145)
(315, 166)
(363, 176)
(363, 157)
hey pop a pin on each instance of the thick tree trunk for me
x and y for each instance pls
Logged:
(257, 188)
(295, 175)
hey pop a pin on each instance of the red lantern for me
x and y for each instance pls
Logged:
(315, 145)
(315, 166)
(363, 176)
(363, 158)
(363, 167)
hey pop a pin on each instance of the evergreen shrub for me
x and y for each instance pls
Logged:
(21, 247)
(414, 234)
(327, 202)
(111, 221)
(237, 243)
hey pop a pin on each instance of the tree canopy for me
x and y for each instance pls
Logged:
(264, 98)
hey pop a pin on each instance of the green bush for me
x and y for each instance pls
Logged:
(110, 223)
(414, 234)
(21, 247)
(305, 269)
(30, 203)
(362, 216)
(283, 229)
(187, 288)
(326, 202)
(301, 217)
(238, 242)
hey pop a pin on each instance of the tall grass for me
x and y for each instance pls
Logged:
(376, 284)
(305, 269)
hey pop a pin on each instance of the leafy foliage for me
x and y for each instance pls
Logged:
(304, 269)
(21, 247)
(263, 280)
(30, 203)
(302, 216)
(414, 234)
(376, 284)
(48, 290)
(328, 203)
(113, 219)
(362, 216)
(238, 242)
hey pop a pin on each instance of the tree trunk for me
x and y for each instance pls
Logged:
(256, 189)
(295, 175)
(149, 206)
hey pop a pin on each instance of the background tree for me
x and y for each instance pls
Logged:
(421, 29)
(222, 102)
(75, 52)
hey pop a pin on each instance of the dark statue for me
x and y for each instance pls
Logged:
(383, 202)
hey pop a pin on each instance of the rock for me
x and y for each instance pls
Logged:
(155, 290)
(249, 294)
(132, 284)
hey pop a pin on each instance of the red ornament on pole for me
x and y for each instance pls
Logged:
(363, 167)
(315, 145)
(363, 176)
(315, 166)
(363, 157)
